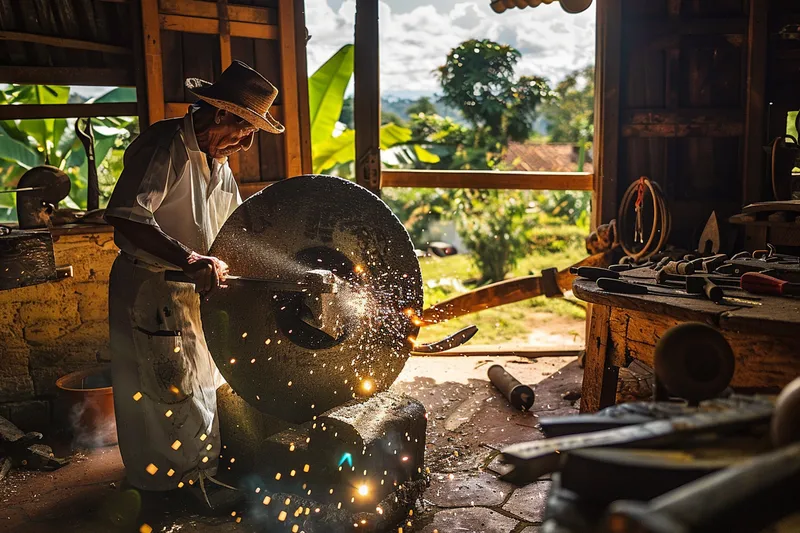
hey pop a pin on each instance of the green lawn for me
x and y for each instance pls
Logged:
(446, 277)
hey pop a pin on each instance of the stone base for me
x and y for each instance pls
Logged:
(360, 463)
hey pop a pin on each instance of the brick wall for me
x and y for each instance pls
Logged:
(52, 329)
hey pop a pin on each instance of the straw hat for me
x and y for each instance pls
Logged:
(242, 91)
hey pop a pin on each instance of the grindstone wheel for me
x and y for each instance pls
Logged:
(694, 361)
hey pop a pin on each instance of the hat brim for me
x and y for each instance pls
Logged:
(263, 122)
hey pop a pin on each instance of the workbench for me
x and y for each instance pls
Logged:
(622, 328)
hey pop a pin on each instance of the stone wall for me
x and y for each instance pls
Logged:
(51, 329)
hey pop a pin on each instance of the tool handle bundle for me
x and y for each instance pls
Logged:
(635, 199)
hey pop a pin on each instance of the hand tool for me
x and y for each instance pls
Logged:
(710, 264)
(456, 339)
(519, 396)
(758, 283)
(623, 287)
(712, 291)
(709, 239)
(531, 460)
(730, 281)
(679, 267)
(86, 136)
(693, 361)
(594, 273)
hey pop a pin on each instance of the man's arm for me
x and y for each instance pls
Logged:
(207, 272)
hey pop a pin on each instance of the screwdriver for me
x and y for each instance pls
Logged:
(757, 283)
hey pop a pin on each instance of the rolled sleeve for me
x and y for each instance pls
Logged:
(143, 185)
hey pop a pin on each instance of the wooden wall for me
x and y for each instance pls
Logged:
(685, 91)
(198, 38)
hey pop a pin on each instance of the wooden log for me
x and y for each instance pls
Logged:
(367, 99)
(488, 179)
(62, 42)
(289, 82)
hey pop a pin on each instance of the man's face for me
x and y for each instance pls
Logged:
(228, 134)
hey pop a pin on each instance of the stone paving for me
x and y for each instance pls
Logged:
(468, 423)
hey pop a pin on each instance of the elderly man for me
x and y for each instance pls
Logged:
(171, 200)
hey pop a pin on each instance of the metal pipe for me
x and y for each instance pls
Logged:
(520, 396)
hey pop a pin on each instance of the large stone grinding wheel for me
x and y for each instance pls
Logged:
(269, 356)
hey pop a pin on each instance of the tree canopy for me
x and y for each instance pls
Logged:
(478, 79)
(570, 115)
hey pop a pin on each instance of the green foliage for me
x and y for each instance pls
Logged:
(494, 226)
(571, 115)
(28, 143)
(326, 88)
(422, 105)
(478, 79)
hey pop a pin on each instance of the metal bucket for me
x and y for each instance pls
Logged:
(88, 399)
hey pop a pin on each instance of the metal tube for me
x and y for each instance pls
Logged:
(520, 396)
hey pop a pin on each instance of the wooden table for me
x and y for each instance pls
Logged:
(622, 328)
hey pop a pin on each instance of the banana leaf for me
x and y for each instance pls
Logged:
(326, 88)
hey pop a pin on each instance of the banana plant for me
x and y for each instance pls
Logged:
(25, 144)
(336, 149)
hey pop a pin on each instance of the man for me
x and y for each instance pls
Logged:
(170, 202)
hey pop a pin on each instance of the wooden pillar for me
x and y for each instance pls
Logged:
(151, 33)
(304, 113)
(600, 374)
(755, 117)
(367, 104)
(290, 79)
(607, 104)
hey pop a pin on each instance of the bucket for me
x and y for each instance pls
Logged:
(88, 400)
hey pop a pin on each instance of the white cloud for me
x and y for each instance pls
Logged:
(416, 37)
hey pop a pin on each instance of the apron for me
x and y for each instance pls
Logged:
(164, 378)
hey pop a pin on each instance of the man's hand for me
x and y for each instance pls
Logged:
(207, 272)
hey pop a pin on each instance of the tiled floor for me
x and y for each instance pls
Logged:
(468, 422)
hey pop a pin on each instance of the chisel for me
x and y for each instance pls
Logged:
(757, 283)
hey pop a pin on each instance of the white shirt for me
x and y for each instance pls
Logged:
(167, 183)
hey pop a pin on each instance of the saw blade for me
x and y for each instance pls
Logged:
(263, 343)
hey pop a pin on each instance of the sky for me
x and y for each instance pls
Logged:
(416, 36)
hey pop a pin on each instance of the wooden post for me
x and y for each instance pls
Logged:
(304, 112)
(151, 33)
(367, 103)
(289, 92)
(600, 375)
(753, 175)
(226, 58)
(607, 104)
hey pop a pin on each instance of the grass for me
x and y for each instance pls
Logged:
(558, 246)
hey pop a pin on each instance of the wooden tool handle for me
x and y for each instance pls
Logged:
(713, 292)
(595, 273)
(619, 286)
(758, 283)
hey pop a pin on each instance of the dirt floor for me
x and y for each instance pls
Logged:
(468, 423)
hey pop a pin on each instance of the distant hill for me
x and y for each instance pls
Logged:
(398, 105)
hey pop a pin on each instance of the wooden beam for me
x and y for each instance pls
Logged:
(755, 124)
(201, 9)
(367, 99)
(31, 111)
(151, 32)
(116, 77)
(289, 90)
(211, 27)
(488, 179)
(63, 42)
(304, 113)
(139, 64)
(607, 106)
(670, 130)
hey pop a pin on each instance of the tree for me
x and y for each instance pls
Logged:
(422, 105)
(478, 79)
(570, 115)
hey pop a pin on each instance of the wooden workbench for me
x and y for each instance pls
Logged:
(765, 338)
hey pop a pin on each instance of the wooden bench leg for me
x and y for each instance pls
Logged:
(599, 376)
